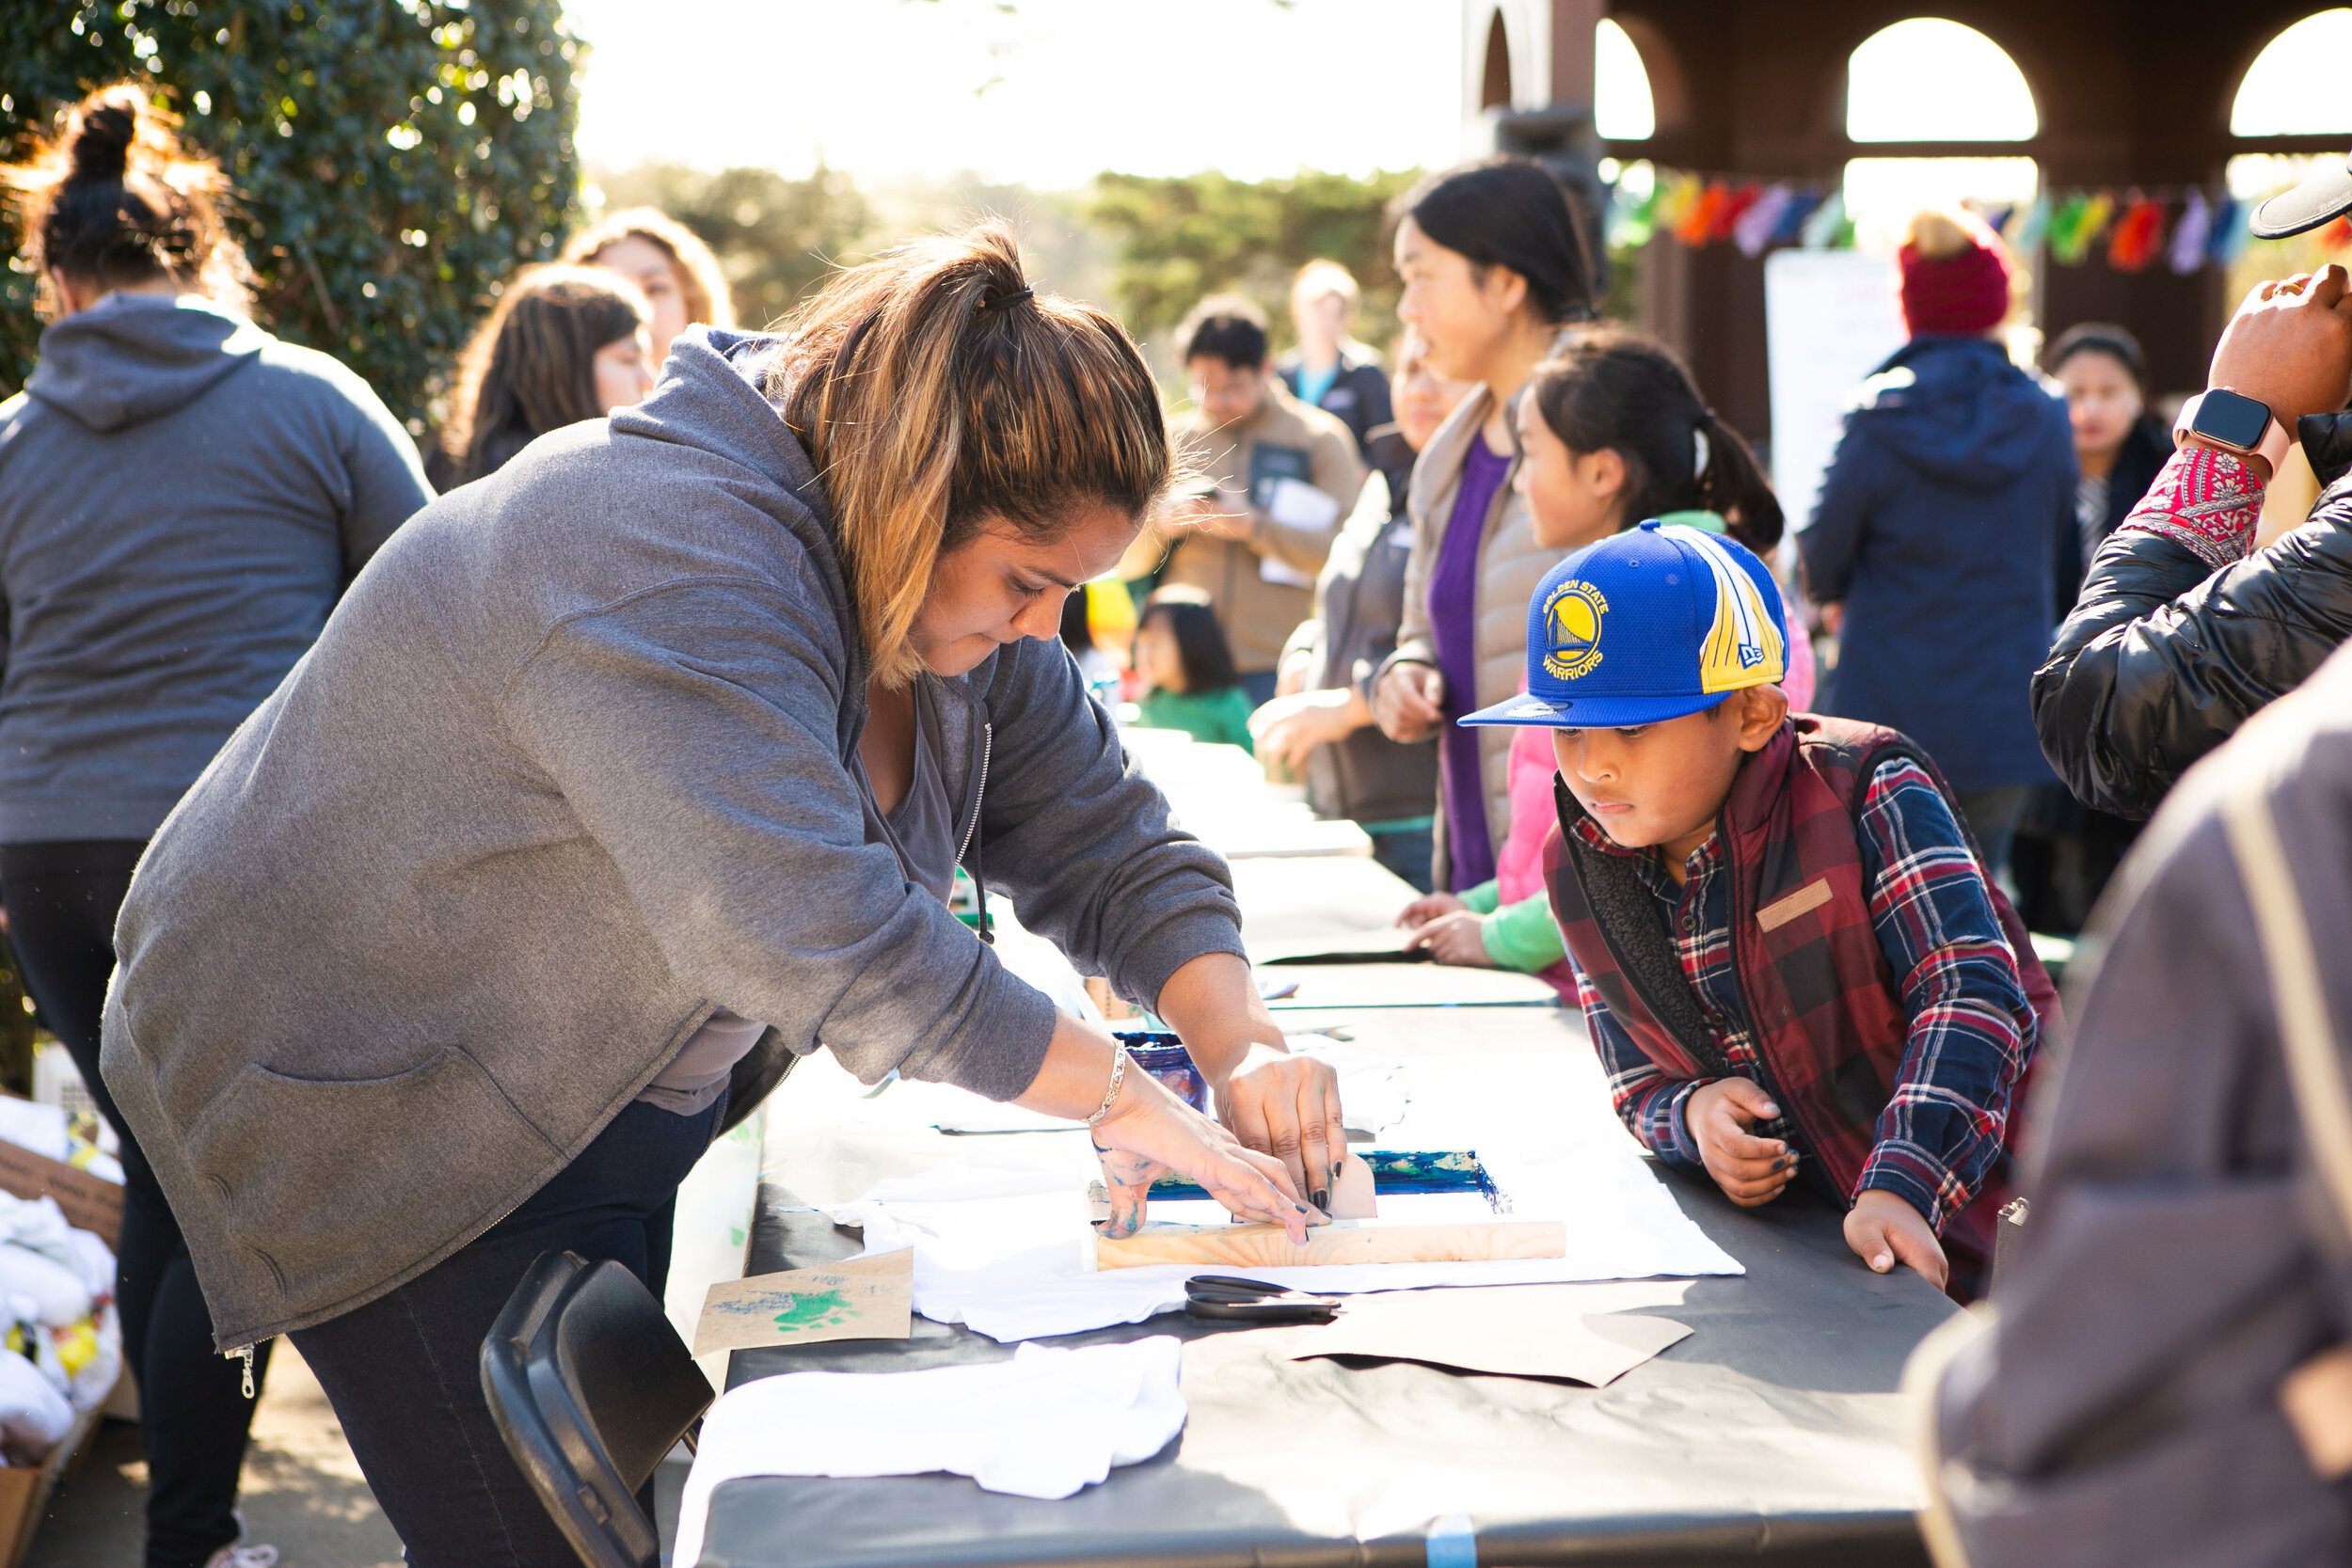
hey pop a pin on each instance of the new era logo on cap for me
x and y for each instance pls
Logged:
(1652, 624)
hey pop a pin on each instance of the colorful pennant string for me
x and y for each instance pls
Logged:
(2138, 236)
(2184, 229)
(2185, 254)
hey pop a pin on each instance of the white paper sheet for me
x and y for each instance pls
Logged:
(1043, 1424)
(999, 1241)
(1296, 504)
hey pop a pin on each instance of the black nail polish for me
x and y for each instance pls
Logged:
(1323, 1199)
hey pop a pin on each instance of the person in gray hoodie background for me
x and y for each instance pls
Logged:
(632, 772)
(182, 500)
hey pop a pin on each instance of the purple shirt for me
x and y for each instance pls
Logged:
(1454, 627)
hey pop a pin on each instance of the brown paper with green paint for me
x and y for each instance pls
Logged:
(862, 1298)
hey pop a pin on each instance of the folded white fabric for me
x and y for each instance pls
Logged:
(34, 1416)
(30, 1124)
(49, 1291)
(40, 1226)
(1043, 1424)
(998, 1239)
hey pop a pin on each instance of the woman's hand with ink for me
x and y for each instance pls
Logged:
(1288, 1106)
(1150, 1132)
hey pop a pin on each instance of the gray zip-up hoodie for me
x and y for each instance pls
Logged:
(567, 769)
(182, 497)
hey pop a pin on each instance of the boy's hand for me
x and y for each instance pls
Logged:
(1751, 1171)
(1883, 1230)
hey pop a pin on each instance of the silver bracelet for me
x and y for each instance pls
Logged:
(1118, 1076)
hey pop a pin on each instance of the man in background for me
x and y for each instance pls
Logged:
(1277, 478)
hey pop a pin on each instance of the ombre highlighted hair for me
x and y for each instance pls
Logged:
(939, 397)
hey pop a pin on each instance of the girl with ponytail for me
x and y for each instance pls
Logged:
(637, 771)
(1612, 432)
(182, 500)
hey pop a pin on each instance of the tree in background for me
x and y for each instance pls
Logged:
(775, 237)
(396, 159)
(778, 238)
(1181, 238)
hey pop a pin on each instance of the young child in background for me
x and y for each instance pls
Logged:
(1191, 684)
(1613, 430)
(1785, 944)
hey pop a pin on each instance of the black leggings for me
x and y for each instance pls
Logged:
(403, 1371)
(61, 900)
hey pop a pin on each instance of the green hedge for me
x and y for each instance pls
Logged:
(397, 158)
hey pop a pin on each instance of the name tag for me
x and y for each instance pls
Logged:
(1780, 912)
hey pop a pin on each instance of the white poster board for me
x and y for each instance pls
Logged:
(1830, 317)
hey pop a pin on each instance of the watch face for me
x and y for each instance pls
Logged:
(2232, 420)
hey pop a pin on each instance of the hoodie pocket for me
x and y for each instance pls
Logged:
(338, 1182)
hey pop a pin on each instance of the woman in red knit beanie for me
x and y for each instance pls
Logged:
(1956, 274)
(1934, 545)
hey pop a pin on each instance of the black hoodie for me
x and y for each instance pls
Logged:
(183, 499)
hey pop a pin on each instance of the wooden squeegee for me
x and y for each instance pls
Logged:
(1269, 1246)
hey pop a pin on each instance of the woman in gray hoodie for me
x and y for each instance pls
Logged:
(182, 497)
(630, 773)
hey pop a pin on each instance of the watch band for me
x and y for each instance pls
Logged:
(2270, 452)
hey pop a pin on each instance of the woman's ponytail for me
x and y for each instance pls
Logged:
(112, 200)
(937, 394)
(1610, 389)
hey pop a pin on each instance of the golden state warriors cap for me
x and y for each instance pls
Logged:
(1647, 626)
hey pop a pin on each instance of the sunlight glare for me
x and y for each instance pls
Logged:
(2295, 88)
(1931, 80)
(1622, 109)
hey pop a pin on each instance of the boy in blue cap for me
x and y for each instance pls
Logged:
(1786, 946)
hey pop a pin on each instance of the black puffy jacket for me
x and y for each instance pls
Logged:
(2163, 658)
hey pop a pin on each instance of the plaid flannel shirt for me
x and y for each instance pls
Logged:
(1970, 1025)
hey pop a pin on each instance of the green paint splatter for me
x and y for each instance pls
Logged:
(812, 1309)
(735, 1235)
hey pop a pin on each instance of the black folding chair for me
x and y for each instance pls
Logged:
(591, 1387)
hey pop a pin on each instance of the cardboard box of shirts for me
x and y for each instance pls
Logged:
(94, 1204)
(25, 1491)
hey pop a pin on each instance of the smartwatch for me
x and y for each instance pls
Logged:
(2237, 424)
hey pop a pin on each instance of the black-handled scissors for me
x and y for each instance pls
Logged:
(1225, 1295)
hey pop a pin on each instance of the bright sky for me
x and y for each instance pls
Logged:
(2295, 84)
(1050, 92)
(1044, 92)
(1931, 80)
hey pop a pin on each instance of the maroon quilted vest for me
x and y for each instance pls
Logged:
(1825, 1008)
